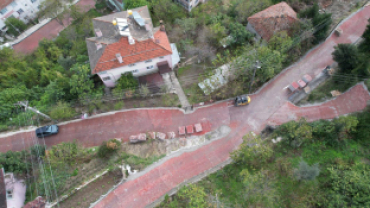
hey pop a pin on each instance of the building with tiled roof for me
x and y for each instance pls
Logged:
(127, 42)
(266, 23)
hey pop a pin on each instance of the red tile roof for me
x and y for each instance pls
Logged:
(275, 18)
(140, 51)
(4, 3)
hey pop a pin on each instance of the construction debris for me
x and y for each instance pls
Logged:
(161, 136)
(138, 138)
(171, 135)
(335, 93)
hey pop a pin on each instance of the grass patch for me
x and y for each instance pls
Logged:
(181, 70)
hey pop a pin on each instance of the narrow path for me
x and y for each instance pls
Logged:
(179, 91)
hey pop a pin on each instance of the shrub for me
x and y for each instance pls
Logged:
(62, 111)
(3, 128)
(127, 81)
(119, 105)
(15, 26)
(38, 150)
(305, 172)
(107, 148)
(100, 5)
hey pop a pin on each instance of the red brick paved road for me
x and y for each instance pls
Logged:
(48, 31)
(269, 106)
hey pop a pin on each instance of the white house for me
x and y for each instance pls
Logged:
(20, 9)
(127, 42)
(15, 190)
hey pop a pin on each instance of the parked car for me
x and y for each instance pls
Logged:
(242, 100)
(47, 131)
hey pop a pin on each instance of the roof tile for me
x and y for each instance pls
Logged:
(275, 18)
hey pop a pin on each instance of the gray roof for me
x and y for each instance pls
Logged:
(111, 35)
(94, 54)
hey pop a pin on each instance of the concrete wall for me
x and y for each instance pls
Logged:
(139, 69)
(29, 8)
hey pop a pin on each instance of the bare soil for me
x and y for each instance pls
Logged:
(146, 149)
(90, 193)
(340, 9)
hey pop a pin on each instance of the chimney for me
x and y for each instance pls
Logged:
(131, 40)
(98, 46)
(161, 28)
(119, 58)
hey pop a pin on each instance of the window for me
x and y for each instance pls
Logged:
(20, 11)
(106, 78)
(161, 57)
(9, 194)
(147, 61)
(3, 11)
(135, 71)
(13, 4)
(131, 65)
(150, 67)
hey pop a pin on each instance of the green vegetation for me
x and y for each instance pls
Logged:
(126, 82)
(15, 26)
(318, 164)
(62, 111)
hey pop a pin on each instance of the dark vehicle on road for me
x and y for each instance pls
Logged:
(47, 131)
(242, 100)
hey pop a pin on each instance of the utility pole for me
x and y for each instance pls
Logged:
(25, 105)
(256, 66)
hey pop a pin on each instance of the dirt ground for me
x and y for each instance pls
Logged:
(147, 149)
(340, 9)
(90, 193)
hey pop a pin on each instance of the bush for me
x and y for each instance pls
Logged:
(14, 161)
(127, 81)
(107, 148)
(15, 26)
(100, 5)
(306, 172)
(119, 105)
(38, 150)
(3, 128)
(62, 111)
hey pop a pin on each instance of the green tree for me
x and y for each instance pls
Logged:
(15, 26)
(14, 161)
(167, 11)
(131, 4)
(304, 172)
(348, 188)
(365, 45)
(193, 196)
(239, 33)
(295, 133)
(252, 151)
(259, 190)
(126, 81)
(244, 9)
(347, 56)
(80, 82)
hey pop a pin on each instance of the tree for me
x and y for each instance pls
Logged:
(304, 172)
(80, 82)
(294, 132)
(187, 25)
(15, 26)
(365, 45)
(348, 188)
(67, 62)
(347, 56)
(244, 9)
(14, 162)
(239, 33)
(107, 148)
(126, 81)
(131, 4)
(53, 9)
(167, 11)
(252, 151)
(259, 189)
(192, 196)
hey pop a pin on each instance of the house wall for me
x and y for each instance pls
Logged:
(252, 30)
(29, 8)
(139, 69)
(18, 188)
